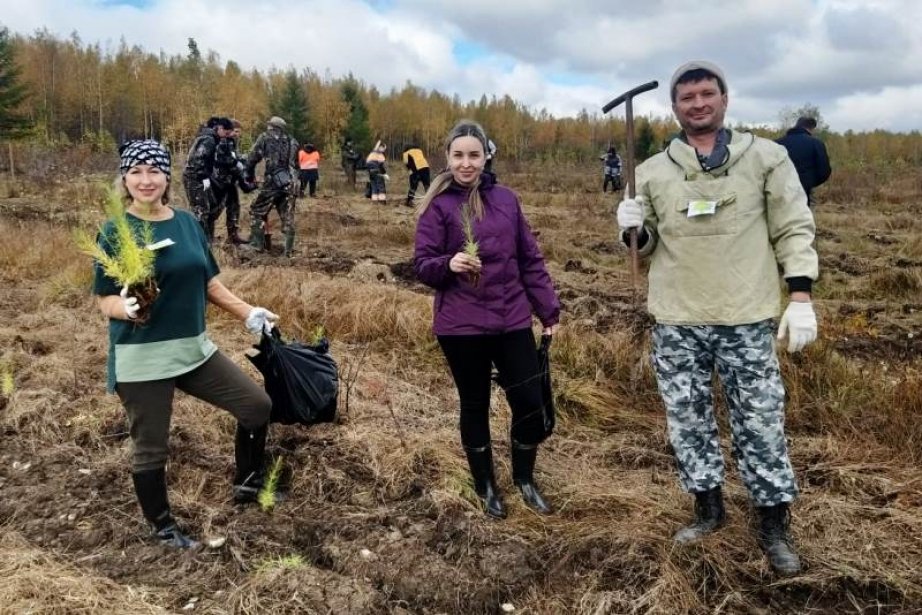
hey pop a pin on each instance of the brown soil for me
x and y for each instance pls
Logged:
(378, 514)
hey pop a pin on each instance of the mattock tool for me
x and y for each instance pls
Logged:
(626, 98)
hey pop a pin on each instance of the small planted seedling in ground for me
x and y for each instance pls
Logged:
(6, 381)
(471, 247)
(282, 562)
(267, 495)
(130, 263)
(6, 384)
(316, 336)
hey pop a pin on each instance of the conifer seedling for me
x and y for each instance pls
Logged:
(267, 495)
(6, 381)
(130, 264)
(471, 247)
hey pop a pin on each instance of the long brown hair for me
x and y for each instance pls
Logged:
(464, 128)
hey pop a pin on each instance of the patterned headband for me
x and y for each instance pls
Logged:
(145, 151)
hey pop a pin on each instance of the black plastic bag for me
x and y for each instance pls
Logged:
(547, 391)
(301, 380)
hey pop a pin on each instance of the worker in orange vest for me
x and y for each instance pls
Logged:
(309, 169)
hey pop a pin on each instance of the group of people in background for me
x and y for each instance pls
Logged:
(215, 169)
(717, 211)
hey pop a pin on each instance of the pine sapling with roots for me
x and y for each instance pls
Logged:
(130, 264)
(471, 247)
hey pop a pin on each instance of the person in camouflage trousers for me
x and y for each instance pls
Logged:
(684, 358)
(198, 174)
(280, 153)
(228, 173)
(719, 214)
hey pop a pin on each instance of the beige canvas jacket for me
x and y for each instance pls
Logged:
(723, 268)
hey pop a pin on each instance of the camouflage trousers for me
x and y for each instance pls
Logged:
(684, 358)
(204, 204)
(266, 200)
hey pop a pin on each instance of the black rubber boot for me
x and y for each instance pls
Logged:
(268, 240)
(150, 487)
(289, 244)
(209, 230)
(709, 515)
(775, 539)
(480, 460)
(523, 476)
(233, 238)
(257, 238)
(249, 453)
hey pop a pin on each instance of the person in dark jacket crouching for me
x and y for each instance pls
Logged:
(484, 302)
(153, 352)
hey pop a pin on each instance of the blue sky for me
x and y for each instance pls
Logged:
(134, 3)
(859, 61)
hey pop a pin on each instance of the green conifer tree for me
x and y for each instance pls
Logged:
(291, 104)
(357, 123)
(12, 92)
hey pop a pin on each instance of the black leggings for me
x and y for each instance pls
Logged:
(471, 359)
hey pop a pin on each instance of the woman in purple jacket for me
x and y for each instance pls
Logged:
(483, 308)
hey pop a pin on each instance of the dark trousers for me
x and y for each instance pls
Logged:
(349, 170)
(613, 179)
(308, 178)
(217, 381)
(417, 177)
(378, 186)
(232, 206)
(471, 359)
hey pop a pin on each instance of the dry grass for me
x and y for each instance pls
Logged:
(380, 515)
(33, 581)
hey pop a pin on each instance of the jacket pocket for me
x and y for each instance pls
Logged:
(724, 220)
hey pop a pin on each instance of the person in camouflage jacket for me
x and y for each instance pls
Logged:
(279, 151)
(198, 173)
(228, 173)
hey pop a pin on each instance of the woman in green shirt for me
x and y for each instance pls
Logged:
(171, 350)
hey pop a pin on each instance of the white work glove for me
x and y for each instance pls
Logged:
(798, 324)
(630, 214)
(129, 304)
(206, 183)
(260, 320)
(386, 177)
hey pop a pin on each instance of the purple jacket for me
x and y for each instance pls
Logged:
(513, 280)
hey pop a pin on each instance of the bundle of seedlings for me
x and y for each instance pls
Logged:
(120, 249)
(471, 247)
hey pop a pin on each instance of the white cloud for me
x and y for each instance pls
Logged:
(888, 109)
(837, 54)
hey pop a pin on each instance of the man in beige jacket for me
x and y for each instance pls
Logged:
(717, 213)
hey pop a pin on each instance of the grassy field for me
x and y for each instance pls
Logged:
(379, 515)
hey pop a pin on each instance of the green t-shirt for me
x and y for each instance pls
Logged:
(173, 341)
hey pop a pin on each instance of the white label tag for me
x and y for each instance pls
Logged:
(163, 243)
(701, 208)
